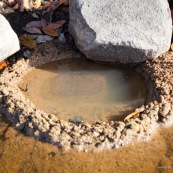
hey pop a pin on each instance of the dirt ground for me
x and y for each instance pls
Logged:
(23, 154)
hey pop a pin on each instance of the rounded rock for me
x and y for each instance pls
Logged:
(121, 31)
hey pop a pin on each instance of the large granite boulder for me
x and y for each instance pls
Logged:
(121, 31)
(9, 43)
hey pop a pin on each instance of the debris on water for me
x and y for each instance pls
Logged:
(132, 115)
(26, 89)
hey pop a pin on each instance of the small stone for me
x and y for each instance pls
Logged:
(162, 99)
(165, 109)
(62, 38)
(117, 134)
(27, 54)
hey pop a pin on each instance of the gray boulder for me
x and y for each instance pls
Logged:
(121, 31)
(9, 43)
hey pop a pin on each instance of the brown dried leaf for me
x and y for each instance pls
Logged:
(56, 25)
(50, 32)
(3, 64)
(33, 30)
(172, 46)
(43, 22)
(37, 4)
(47, 4)
(34, 36)
(132, 115)
(11, 2)
(36, 24)
(60, 2)
(27, 41)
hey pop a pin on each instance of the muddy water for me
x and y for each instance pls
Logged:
(84, 91)
(22, 154)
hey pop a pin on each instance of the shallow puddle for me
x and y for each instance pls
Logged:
(83, 90)
(22, 154)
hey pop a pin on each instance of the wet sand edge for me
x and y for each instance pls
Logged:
(26, 117)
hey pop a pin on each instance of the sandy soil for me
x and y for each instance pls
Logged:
(84, 136)
(22, 154)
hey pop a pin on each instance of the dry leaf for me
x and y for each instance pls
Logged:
(36, 24)
(33, 30)
(37, 4)
(16, 7)
(11, 2)
(25, 5)
(34, 15)
(43, 38)
(34, 36)
(43, 22)
(66, 3)
(48, 9)
(60, 2)
(3, 64)
(47, 4)
(27, 41)
(55, 25)
(172, 46)
(132, 115)
(50, 32)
